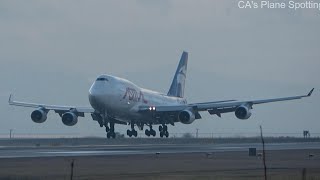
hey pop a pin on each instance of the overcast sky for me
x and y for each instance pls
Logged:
(52, 51)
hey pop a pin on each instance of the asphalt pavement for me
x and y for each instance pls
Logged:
(99, 150)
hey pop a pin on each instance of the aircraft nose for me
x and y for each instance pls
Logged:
(95, 96)
(93, 91)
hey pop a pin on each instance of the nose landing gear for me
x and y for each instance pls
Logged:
(100, 121)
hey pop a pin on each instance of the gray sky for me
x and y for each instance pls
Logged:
(51, 52)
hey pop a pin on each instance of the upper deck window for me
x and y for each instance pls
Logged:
(102, 79)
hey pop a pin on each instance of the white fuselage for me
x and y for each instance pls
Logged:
(120, 99)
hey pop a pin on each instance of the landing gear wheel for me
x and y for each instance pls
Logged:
(129, 133)
(167, 134)
(153, 133)
(101, 124)
(163, 129)
(113, 135)
(107, 129)
(132, 132)
(147, 132)
(160, 128)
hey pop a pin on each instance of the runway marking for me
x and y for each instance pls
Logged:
(86, 152)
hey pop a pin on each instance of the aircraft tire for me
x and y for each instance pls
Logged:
(113, 135)
(153, 132)
(100, 123)
(165, 128)
(147, 132)
(135, 133)
(108, 135)
(129, 133)
(161, 134)
(167, 134)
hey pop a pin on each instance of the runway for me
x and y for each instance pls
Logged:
(107, 150)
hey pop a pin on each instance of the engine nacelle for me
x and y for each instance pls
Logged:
(243, 112)
(39, 115)
(186, 116)
(69, 119)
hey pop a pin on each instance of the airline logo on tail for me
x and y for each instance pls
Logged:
(178, 83)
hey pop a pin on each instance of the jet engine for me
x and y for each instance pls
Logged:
(39, 115)
(243, 112)
(69, 119)
(186, 116)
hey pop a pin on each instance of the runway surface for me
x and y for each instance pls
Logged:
(98, 150)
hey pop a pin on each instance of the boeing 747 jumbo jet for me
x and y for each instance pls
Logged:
(118, 101)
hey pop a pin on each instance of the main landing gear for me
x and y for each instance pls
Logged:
(132, 132)
(163, 131)
(110, 131)
(150, 132)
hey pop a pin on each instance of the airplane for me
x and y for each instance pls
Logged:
(115, 100)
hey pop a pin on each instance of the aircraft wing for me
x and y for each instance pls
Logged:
(206, 106)
(217, 107)
(56, 108)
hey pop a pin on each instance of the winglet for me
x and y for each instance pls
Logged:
(10, 99)
(309, 94)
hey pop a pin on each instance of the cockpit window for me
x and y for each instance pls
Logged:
(102, 79)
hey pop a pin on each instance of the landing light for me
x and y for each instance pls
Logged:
(152, 108)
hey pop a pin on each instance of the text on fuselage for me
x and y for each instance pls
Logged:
(133, 95)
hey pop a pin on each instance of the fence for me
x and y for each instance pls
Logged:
(172, 135)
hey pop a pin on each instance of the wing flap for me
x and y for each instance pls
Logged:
(220, 111)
